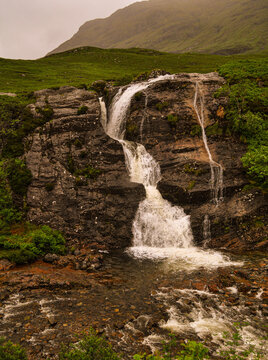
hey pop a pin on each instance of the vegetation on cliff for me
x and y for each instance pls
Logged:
(20, 242)
(247, 93)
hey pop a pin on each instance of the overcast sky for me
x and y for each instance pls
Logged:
(29, 29)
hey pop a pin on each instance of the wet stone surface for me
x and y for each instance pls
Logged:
(135, 303)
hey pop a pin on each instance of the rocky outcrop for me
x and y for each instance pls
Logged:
(163, 119)
(80, 184)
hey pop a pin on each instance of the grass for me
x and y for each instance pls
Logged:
(83, 66)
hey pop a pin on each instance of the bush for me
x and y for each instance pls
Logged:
(172, 119)
(82, 110)
(88, 172)
(21, 256)
(190, 351)
(91, 347)
(19, 176)
(46, 112)
(31, 244)
(10, 351)
(17, 121)
(8, 213)
(47, 241)
(161, 105)
(247, 91)
(255, 160)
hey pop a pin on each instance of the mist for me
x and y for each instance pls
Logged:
(29, 29)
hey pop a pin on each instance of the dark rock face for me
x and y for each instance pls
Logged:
(98, 207)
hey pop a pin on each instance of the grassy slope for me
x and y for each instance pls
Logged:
(85, 65)
(209, 26)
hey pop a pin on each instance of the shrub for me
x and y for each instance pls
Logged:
(10, 351)
(82, 86)
(47, 240)
(88, 172)
(99, 86)
(247, 91)
(256, 162)
(131, 130)
(70, 164)
(21, 256)
(172, 119)
(191, 351)
(196, 130)
(19, 176)
(17, 121)
(30, 245)
(161, 105)
(46, 112)
(8, 213)
(91, 347)
(82, 110)
(191, 185)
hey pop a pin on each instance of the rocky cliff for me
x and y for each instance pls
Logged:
(80, 184)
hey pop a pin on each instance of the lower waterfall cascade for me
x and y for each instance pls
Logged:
(160, 230)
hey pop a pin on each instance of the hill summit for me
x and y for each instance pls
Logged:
(207, 26)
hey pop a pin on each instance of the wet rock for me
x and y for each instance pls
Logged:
(52, 320)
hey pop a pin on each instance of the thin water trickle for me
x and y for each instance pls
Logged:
(160, 230)
(216, 181)
(206, 231)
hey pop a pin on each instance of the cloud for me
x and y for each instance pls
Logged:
(29, 29)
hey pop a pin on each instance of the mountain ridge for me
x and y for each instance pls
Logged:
(219, 27)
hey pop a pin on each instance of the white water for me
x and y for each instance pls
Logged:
(160, 230)
(207, 316)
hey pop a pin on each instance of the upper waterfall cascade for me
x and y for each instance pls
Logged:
(159, 229)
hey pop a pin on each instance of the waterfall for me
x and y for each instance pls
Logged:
(159, 229)
(144, 117)
(216, 181)
(206, 231)
(216, 170)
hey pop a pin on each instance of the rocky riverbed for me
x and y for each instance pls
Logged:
(135, 303)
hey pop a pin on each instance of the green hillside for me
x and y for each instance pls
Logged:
(206, 26)
(85, 65)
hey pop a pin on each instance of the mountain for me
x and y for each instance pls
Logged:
(206, 26)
